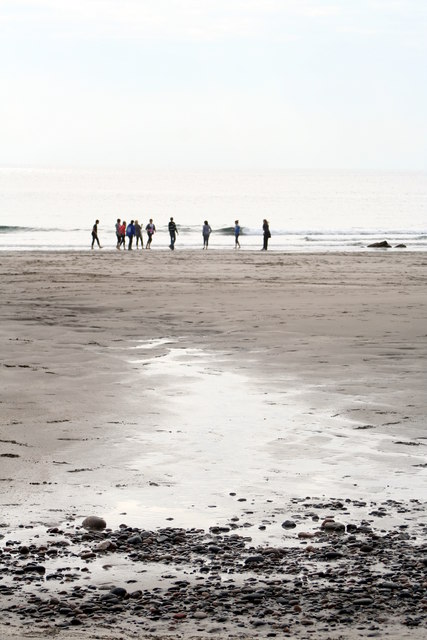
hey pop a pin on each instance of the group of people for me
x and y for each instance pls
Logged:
(134, 230)
(131, 231)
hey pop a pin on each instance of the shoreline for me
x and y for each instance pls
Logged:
(252, 247)
(324, 353)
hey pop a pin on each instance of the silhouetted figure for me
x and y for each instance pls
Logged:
(173, 232)
(95, 234)
(266, 234)
(206, 232)
(138, 235)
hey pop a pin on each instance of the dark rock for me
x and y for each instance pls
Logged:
(254, 560)
(94, 523)
(380, 245)
(400, 246)
(213, 548)
(76, 622)
(289, 524)
(36, 568)
(333, 555)
(331, 525)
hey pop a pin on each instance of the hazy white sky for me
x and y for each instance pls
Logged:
(214, 83)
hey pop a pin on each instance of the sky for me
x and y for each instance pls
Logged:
(214, 84)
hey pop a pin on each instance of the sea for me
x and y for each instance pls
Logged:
(308, 211)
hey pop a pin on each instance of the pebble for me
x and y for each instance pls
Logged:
(94, 523)
(289, 524)
(222, 577)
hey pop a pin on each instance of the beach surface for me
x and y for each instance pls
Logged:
(192, 390)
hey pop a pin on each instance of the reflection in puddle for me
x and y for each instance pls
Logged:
(150, 344)
(212, 445)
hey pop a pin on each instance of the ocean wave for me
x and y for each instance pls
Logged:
(16, 229)
(225, 231)
(13, 229)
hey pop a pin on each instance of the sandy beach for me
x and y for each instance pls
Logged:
(194, 390)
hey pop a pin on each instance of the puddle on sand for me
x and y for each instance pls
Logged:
(213, 444)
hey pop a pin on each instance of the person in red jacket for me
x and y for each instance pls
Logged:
(122, 233)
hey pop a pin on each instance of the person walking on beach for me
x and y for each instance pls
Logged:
(138, 234)
(117, 227)
(130, 232)
(206, 232)
(173, 232)
(122, 232)
(236, 234)
(266, 234)
(95, 234)
(151, 230)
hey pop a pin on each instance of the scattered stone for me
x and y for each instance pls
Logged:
(333, 555)
(331, 525)
(94, 523)
(289, 524)
(105, 545)
(222, 581)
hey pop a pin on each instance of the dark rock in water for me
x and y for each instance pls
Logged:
(136, 539)
(94, 523)
(400, 246)
(119, 592)
(289, 524)
(380, 245)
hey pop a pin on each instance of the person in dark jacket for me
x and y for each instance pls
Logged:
(95, 234)
(173, 232)
(206, 232)
(266, 234)
(138, 234)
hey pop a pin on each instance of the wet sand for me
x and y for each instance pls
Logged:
(190, 388)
